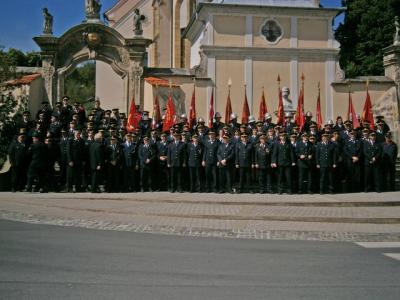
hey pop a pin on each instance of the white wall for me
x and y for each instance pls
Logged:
(109, 87)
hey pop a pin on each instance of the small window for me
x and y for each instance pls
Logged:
(272, 31)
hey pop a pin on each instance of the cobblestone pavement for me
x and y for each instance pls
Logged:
(344, 217)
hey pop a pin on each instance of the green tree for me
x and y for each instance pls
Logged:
(80, 84)
(367, 29)
(17, 57)
(7, 68)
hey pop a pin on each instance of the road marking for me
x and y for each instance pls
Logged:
(393, 255)
(379, 244)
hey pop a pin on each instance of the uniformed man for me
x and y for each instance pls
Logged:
(176, 161)
(163, 170)
(372, 163)
(18, 155)
(226, 160)
(129, 164)
(37, 167)
(305, 155)
(52, 158)
(244, 161)
(195, 158)
(262, 161)
(351, 151)
(97, 161)
(389, 156)
(76, 159)
(147, 157)
(326, 162)
(210, 162)
(267, 122)
(217, 125)
(283, 159)
(114, 157)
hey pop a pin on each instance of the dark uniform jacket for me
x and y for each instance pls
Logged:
(162, 150)
(146, 152)
(130, 154)
(18, 153)
(96, 155)
(389, 152)
(325, 155)
(262, 155)
(114, 153)
(305, 149)
(372, 151)
(63, 149)
(176, 154)
(38, 153)
(226, 152)
(76, 151)
(351, 148)
(210, 152)
(195, 155)
(244, 155)
(283, 154)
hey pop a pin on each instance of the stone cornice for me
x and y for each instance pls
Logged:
(312, 53)
(205, 9)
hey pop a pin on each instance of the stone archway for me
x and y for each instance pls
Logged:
(92, 41)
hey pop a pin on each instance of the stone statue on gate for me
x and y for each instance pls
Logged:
(397, 35)
(287, 102)
(92, 8)
(137, 22)
(48, 22)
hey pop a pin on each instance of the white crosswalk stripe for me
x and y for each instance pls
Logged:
(383, 245)
(379, 244)
(393, 255)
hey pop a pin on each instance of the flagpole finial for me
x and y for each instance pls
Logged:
(319, 85)
(367, 83)
(170, 84)
(229, 82)
(302, 77)
(279, 78)
(349, 86)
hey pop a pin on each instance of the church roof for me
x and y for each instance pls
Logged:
(286, 3)
(27, 79)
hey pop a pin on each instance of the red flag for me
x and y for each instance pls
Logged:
(281, 113)
(211, 111)
(228, 108)
(192, 110)
(246, 110)
(133, 117)
(300, 110)
(263, 107)
(367, 114)
(170, 118)
(156, 113)
(319, 113)
(351, 113)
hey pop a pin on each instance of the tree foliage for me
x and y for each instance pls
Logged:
(367, 29)
(80, 84)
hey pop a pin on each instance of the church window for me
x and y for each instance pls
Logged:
(272, 31)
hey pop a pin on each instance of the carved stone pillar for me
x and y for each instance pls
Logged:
(391, 63)
(49, 75)
(137, 52)
(60, 85)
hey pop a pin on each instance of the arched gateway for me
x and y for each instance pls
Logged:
(92, 40)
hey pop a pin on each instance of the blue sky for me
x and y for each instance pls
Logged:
(22, 19)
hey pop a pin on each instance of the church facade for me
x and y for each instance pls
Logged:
(243, 46)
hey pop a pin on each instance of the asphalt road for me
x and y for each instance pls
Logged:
(50, 262)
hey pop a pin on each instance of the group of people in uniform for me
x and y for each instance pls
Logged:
(65, 149)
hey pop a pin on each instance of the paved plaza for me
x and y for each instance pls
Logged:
(342, 217)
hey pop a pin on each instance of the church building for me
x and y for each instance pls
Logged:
(241, 46)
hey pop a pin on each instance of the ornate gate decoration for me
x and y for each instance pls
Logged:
(92, 40)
